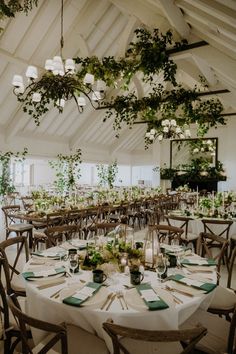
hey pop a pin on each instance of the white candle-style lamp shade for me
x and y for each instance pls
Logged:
(101, 85)
(187, 133)
(173, 122)
(81, 101)
(58, 68)
(166, 129)
(36, 97)
(17, 81)
(160, 137)
(49, 65)
(152, 137)
(70, 65)
(61, 102)
(96, 96)
(89, 79)
(57, 59)
(31, 72)
(178, 130)
(147, 135)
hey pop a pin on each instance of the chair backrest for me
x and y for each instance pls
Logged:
(179, 221)
(22, 320)
(8, 332)
(163, 231)
(204, 247)
(231, 347)
(231, 267)
(118, 333)
(8, 212)
(27, 202)
(61, 232)
(105, 227)
(217, 227)
(15, 254)
(56, 218)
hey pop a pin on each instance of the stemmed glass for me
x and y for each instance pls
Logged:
(73, 261)
(160, 266)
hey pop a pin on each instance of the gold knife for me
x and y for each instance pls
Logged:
(111, 301)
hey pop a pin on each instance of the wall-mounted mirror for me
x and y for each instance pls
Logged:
(184, 151)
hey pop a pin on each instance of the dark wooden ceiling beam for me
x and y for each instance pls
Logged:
(186, 47)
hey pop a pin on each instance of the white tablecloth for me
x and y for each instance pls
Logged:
(41, 306)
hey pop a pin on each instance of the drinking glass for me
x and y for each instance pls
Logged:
(160, 266)
(73, 261)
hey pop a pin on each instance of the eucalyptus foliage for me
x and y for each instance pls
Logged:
(67, 171)
(6, 183)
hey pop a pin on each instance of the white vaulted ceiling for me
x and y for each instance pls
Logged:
(102, 28)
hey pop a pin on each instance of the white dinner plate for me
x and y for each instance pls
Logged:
(135, 301)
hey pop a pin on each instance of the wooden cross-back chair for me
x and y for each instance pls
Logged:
(61, 233)
(10, 335)
(220, 228)
(183, 223)
(165, 232)
(129, 340)
(15, 254)
(224, 300)
(19, 228)
(204, 247)
(58, 333)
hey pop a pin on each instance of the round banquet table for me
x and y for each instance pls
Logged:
(90, 317)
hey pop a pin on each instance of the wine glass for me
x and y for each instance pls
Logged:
(160, 266)
(73, 261)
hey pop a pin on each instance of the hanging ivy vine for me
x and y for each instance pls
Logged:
(6, 183)
(107, 174)
(67, 169)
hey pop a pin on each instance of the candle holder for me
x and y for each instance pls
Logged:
(151, 247)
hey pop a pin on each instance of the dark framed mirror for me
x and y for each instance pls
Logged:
(184, 151)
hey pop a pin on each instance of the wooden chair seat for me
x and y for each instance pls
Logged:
(224, 299)
(190, 237)
(220, 333)
(81, 341)
(21, 227)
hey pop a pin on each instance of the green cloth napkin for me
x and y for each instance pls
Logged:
(207, 287)
(210, 262)
(152, 305)
(73, 301)
(29, 275)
